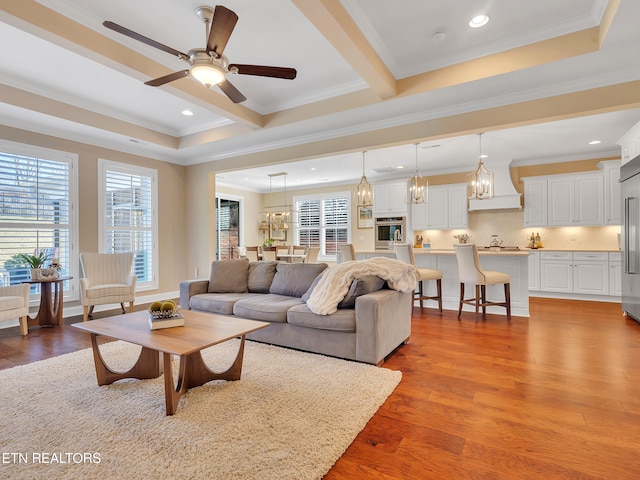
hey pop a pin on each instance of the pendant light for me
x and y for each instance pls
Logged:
(277, 216)
(417, 186)
(482, 183)
(364, 190)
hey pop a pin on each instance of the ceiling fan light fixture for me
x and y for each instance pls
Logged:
(208, 74)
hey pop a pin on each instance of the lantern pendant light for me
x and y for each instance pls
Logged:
(417, 186)
(364, 190)
(482, 184)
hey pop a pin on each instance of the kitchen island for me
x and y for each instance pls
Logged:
(513, 262)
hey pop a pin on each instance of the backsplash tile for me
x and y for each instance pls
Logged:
(508, 225)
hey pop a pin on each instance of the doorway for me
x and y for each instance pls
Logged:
(227, 228)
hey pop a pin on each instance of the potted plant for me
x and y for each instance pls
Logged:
(268, 242)
(35, 262)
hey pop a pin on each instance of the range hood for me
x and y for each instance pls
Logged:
(504, 193)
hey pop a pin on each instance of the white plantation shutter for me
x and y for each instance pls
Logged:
(129, 199)
(323, 221)
(36, 198)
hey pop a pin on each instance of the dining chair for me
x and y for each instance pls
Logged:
(469, 271)
(282, 250)
(300, 250)
(404, 253)
(347, 252)
(252, 253)
(269, 254)
(312, 255)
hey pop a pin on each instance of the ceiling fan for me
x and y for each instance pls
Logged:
(208, 65)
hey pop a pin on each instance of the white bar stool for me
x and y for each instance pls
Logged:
(470, 272)
(404, 253)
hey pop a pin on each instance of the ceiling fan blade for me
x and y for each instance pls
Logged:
(222, 25)
(156, 82)
(265, 71)
(232, 92)
(141, 38)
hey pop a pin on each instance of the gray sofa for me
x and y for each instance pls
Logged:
(371, 321)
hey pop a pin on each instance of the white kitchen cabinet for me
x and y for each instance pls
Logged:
(534, 270)
(615, 274)
(458, 206)
(438, 206)
(588, 199)
(612, 213)
(574, 272)
(630, 143)
(591, 273)
(389, 198)
(535, 202)
(571, 200)
(556, 272)
(445, 209)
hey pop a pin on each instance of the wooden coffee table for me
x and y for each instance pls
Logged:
(201, 330)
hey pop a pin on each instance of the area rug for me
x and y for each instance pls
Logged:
(291, 416)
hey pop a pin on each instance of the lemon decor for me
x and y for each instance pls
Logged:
(163, 309)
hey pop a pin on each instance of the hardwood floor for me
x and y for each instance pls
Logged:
(554, 396)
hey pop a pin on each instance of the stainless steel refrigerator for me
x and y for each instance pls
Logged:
(630, 244)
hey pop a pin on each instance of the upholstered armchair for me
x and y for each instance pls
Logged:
(106, 279)
(14, 303)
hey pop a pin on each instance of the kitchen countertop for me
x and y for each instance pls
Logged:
(437, 251)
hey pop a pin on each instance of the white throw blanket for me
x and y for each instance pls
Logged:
(336, 280)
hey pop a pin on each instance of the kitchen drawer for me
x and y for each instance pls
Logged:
(555, 256)
(615, 257)
(591, 256)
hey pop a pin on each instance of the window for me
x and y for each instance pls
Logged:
(128, 203)
(228, 232)
(323, 221)
(37, 198)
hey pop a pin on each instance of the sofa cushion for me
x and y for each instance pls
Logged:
(221, 303)
(294, 279)
(229, 276)
(361, 286)
(341, 321)
(260, 276)
(309, 291)
(266, 307)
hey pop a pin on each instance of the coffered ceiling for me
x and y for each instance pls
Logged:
(372, 75)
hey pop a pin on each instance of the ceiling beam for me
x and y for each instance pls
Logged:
(560, 107)
(48, 106)
(337, 26)
(33, 17)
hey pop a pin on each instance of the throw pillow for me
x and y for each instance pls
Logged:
(361, 286)
(229, 276)
(294, 279)
(260, 276)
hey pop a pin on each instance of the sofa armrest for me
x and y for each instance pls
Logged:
(189, 288)
(383, 321)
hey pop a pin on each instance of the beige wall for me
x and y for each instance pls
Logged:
(172, 183)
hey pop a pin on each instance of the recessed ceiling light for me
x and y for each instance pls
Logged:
(594, 142)
(400, 166)
(187, 112)
(484, 155)
(313, 169)
(479, 21)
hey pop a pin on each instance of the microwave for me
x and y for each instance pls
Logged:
(389, 230)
